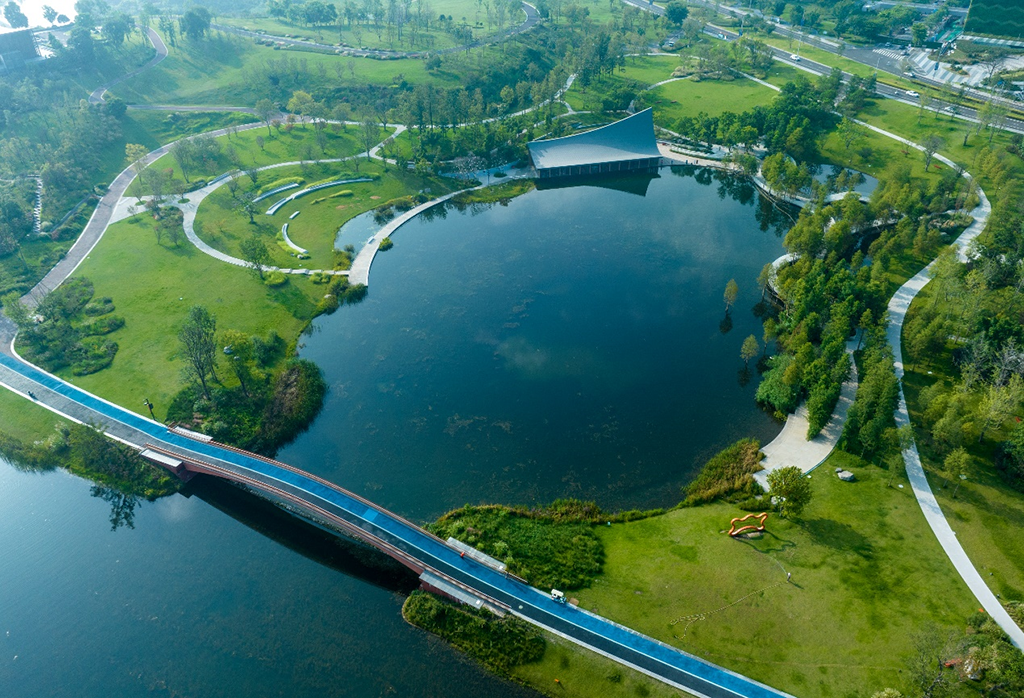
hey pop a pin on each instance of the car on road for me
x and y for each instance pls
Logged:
(794, 57)
(911, 93)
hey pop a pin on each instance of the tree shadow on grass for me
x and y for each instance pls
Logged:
(839, 536)
(292, 298)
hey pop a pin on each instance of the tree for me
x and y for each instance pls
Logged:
(791, 488)
(184, 153)
(195, 23)
(14, 16)
(256, 254)
(301, 103)
(369, 133)
(850, 132)
(245, 201)
(265, 111)
(239, 346)
(117, 27)
(197, 343)
(732, 289)
(958, 465)
(15, 310)
(136, 154)
(676, 12)
(919, 33)
(49, 14)
(750, 349)
(931, 144)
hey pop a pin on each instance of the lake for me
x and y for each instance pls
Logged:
(571, 343)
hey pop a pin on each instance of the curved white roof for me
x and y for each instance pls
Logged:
(631, 138)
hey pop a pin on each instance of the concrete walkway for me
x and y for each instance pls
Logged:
(898, 306)
(791, 447)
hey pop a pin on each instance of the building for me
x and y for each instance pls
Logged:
(624, 146)
(16, 47)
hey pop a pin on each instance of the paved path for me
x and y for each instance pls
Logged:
(97, 225)
(792, 448)
(898, 307)
(98, 95)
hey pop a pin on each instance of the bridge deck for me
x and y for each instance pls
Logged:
(389, 532)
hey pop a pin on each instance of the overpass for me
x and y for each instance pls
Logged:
(439, 564)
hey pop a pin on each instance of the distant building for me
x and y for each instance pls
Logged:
(16, 47)
(624, 146)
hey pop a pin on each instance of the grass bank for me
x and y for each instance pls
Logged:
(844, 626)
(153, 285)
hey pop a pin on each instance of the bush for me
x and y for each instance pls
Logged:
(280, 183)
(554, 548)
(319, 277)
(729, 472)
(774, 390)
(103, 325)
(500, 643)
(275, 279)
(99, 306)
(386, 244)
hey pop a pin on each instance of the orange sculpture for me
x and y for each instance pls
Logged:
(733, 531)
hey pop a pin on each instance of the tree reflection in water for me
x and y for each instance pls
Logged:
(122, 506)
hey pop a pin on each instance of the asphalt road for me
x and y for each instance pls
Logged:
(866, 56)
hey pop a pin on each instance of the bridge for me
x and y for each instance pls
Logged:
(440, 565)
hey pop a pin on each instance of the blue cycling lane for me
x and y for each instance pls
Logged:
(652, 657)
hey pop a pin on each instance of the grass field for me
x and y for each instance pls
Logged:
(23, 419)
(585, 674)
(467, 12)
(687, 97)
(153, 286)
(213, 73)
(867, 576)
(316, 226)
(283, 145)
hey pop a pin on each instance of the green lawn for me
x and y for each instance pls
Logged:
(868, 575)
(585, 674)
(359, 35)
(213, 72)
(648, 69)
(279, 145)
(23, 419)
(317, 225)
(688, 98)
(153, 286)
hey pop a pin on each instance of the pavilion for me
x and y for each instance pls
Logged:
(627, 145)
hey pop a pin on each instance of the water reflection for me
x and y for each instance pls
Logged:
(122, 506)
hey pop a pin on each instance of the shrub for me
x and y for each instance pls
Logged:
(103, 325)
(280, 183)
(774, 390)
(318, 277)
(99, 306)
(275, 278)
(386, 244)
(729, 472)
(549, 548)
(500, 643)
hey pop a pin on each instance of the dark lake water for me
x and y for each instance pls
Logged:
(569, 344)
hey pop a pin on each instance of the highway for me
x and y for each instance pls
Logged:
(389, 532)
(864, 56)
